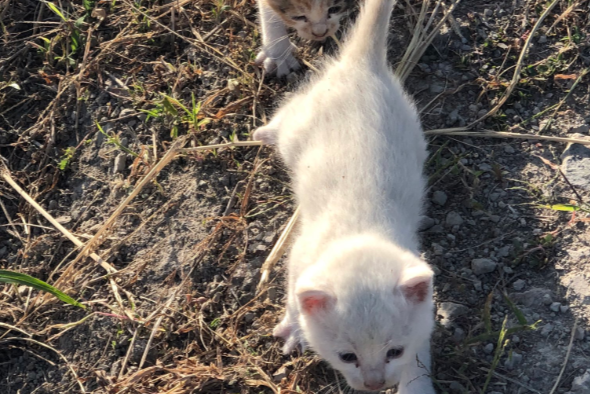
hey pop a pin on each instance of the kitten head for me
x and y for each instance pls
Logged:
(366, 308)
(313, 19)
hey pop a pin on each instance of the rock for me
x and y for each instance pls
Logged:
(483, 266)
(546, 330)
(272, 294)
(489, 348)
(532, 297)
(555, 306)
(477, 285)
(581, 384)
(249, 317)
(495, 218)
(457, 387)
(583, 129)
(281, 373)
(504, 251)
(52, 204)
(437, 249)
(3, 251)
(450, 311)
(564, 308)
(488, 12)
(436, 88)
(453, 219)
(576, 165)
(127, 112)
(518, 285)
(542, 40)
(453, 117)
(513, 360)
(579, 334)
(426, 223)
(547, 300)
(120, 163)
(437, 229)
(459, 335)
(439, 198)
(508, 149)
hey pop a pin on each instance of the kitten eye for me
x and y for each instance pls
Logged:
(395, 353)
(348, 357)
(334, 10)
(301, 18)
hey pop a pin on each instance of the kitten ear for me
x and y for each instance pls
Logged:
(416, 283)
(267, 134)
(313, 302)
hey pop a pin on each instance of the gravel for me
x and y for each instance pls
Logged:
(483, 266)
(513, 360)
(576, 165)
(453, 219)
(519, 285)
(439, 198)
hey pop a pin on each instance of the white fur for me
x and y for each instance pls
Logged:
(355, 147)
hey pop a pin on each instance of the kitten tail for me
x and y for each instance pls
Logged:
(367, 41)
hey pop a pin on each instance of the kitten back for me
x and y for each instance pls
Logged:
(367, 40)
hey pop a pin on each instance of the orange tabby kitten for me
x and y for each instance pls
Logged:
(313, 19)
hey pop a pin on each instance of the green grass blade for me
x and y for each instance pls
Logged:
(487, 313)
(561, 207)
(24, 279)
(54, 8)
(519, 315)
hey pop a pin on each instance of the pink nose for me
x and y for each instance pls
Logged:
(376, 385)
(319, 35)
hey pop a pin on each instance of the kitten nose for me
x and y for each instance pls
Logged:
(375, 385)
(319, 31)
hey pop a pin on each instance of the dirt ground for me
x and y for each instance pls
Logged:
(93, 95)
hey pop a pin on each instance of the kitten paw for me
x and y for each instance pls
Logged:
(281, 62)
(288, 332)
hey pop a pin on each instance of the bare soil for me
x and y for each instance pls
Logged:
(506, 224)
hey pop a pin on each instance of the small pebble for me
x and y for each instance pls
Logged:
(542, 40)
(439, 197)
(509, 149)
(453, 219)
(547, 300)
(580, 334)
(546, 330)
(488, 12)
(489, 348)
(513, 360)
(483, 266)
(120, 163)
(555, 306)
(564, 308)
(518, 285)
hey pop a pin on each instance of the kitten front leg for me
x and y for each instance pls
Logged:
(288, 329)
(277, 51)
(415, 378)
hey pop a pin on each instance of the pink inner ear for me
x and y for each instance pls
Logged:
(418, 292)
(314, 301)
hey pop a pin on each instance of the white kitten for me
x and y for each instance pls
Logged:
(313, 20)
(358, 293)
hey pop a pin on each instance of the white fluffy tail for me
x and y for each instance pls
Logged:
(367, 40)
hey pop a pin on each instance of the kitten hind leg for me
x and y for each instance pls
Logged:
(277, 51)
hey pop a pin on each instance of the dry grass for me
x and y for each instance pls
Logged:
(118, 40)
